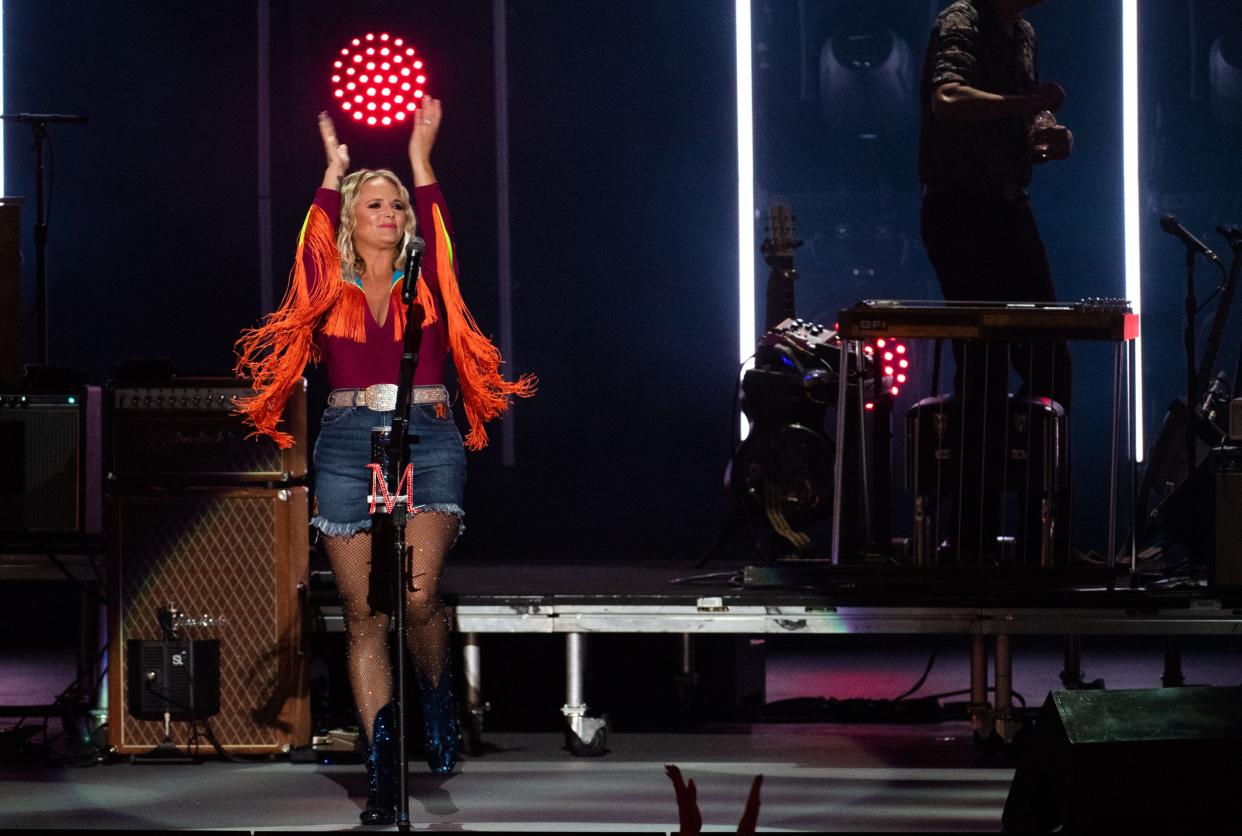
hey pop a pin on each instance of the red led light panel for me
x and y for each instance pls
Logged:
(377, 80)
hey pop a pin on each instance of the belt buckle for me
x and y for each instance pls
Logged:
(381, 397)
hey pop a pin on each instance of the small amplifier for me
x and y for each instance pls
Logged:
(178, 677)
(1235, 419)
(187, 432)
(50, 477)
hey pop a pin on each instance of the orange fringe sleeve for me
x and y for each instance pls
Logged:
(485, 393)
(275, 353)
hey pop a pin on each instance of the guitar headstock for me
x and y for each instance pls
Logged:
(782, 237)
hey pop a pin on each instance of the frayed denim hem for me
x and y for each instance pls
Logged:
(335, 529)
(446, 508)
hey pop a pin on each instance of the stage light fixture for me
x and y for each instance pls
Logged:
(379, 103)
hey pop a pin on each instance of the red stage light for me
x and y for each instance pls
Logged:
(905, 364)
(384, 95)
(894, 390)
(901, 378)
(880, 343)
(869, 405)
(888, 356)
(901, 349)
(888, 370)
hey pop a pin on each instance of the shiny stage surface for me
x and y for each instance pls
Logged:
(905, 778)
(819, 776)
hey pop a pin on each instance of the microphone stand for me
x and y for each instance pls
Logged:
(390, 450)
(38, 123)
(1192, 373)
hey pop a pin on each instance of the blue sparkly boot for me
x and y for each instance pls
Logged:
(381, 763)
(439, 720)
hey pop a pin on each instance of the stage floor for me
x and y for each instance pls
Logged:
(903, 778)
(817, 776)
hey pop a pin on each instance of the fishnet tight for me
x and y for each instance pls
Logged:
(428, 537)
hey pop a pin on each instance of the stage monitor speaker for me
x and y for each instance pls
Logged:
(50, 476)
(233, 563)
(1161, 760)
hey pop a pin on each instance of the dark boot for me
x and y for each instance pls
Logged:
(381, 763)
(439, 721)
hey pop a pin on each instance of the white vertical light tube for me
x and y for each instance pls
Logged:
(745, 191)
(2, 97)
(1133, 214)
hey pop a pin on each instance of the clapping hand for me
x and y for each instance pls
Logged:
(337, 153)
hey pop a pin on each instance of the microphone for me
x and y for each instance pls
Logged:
(42, 118)
(413, 258)
(1170, 225)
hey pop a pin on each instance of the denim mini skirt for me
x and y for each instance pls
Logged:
(343, 480)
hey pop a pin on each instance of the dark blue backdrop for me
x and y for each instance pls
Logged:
(623, 211)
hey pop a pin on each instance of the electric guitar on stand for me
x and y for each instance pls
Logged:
(778, 251)
(782, 473)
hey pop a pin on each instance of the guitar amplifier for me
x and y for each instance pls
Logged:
(231, 564)
(187, 432)
(50, 473)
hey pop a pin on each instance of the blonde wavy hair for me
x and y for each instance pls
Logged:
(351, 263)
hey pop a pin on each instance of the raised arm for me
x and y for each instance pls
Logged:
(422, 138)
(336, 153)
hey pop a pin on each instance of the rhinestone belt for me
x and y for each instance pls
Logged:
(382, 397)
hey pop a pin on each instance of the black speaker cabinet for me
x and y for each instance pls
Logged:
(233, 562)
(1161, 760)
(50, 479)
(180, 677)
(10, 288)
(1227, 555)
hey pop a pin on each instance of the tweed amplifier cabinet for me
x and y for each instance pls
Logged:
(50, 463)
(185, 432)
(231, 563)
